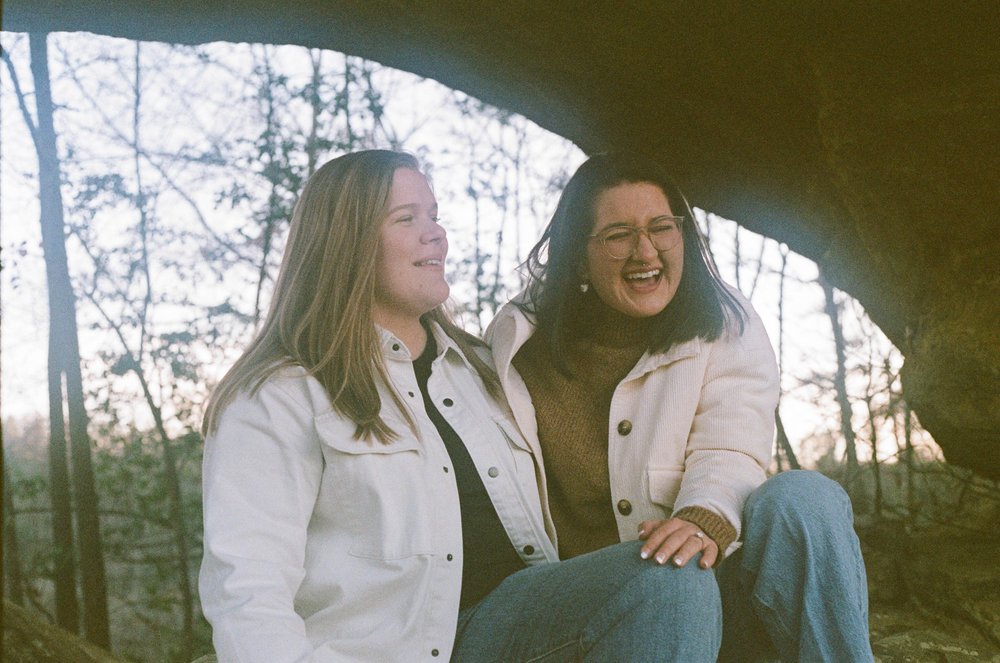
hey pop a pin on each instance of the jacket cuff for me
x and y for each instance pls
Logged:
(715, 526)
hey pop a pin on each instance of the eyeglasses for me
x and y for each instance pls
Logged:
(620, 242)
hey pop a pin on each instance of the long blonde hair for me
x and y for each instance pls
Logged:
(320, 315)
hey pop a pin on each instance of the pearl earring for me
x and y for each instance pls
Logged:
(584, 287)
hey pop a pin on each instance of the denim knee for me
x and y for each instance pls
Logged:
(676, 611)
(803, 496)
(662, 613)
(689, 589)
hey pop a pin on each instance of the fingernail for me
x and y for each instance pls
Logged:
(661, 558)
(642, 532)
(678, 561)
(643, 554)
(704, 565)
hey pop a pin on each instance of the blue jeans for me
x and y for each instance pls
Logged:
(607, 605)
(797, 588)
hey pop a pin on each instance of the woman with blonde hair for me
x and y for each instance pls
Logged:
(367, 496)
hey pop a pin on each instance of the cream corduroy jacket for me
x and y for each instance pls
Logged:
(701, 415)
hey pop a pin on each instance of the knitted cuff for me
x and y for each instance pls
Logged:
(715, 526)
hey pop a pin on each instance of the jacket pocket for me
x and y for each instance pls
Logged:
(664, 485)
(376, 494)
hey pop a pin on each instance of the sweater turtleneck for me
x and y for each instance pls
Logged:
(597, 323)
(572, 413)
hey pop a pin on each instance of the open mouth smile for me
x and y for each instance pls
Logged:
(640, 277)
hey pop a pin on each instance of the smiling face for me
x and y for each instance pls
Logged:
(409, 264)
(641, 285)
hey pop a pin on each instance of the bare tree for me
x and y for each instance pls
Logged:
(64, 568)
(64, 364)
(272, 156)
(840, 378)
(170, 474)
(871, 393)
(784, 445)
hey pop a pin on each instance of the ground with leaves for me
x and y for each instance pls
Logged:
(933, 594)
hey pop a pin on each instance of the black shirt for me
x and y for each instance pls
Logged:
(488, 554)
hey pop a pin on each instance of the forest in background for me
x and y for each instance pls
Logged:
(164, 178)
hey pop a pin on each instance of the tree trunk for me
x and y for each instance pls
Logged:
(67, 613)
(911, 501)
(181, 539)
(840, 378)
(784, 444)
(64, 351)
(11, 554)
(873, 426)
(270, 173)
(63, 562)
(781, 439)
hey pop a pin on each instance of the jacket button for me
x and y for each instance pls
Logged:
(450, 557)
(528, 550)
(448, 402)
(624, 507)
(624, 427)
(435, 652)
(493, 472)
(410, 394)
(395, 346)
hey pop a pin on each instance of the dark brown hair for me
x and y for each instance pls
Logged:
(702, 307)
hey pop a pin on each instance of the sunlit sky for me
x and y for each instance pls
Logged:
(415, 107)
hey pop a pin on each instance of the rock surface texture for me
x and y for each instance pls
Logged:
(864, 135)
(933, 595)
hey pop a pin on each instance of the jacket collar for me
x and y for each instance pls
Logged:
(395, 349)
(509, 330)
(512, 327)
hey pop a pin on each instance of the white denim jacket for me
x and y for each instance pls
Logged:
(692, 426)
(320, 547)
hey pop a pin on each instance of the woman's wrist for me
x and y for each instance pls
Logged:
(715, 526)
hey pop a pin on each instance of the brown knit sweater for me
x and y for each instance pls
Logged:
(572, 415)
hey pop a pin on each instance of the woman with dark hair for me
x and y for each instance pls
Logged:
(648, 387)
(367, 496)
